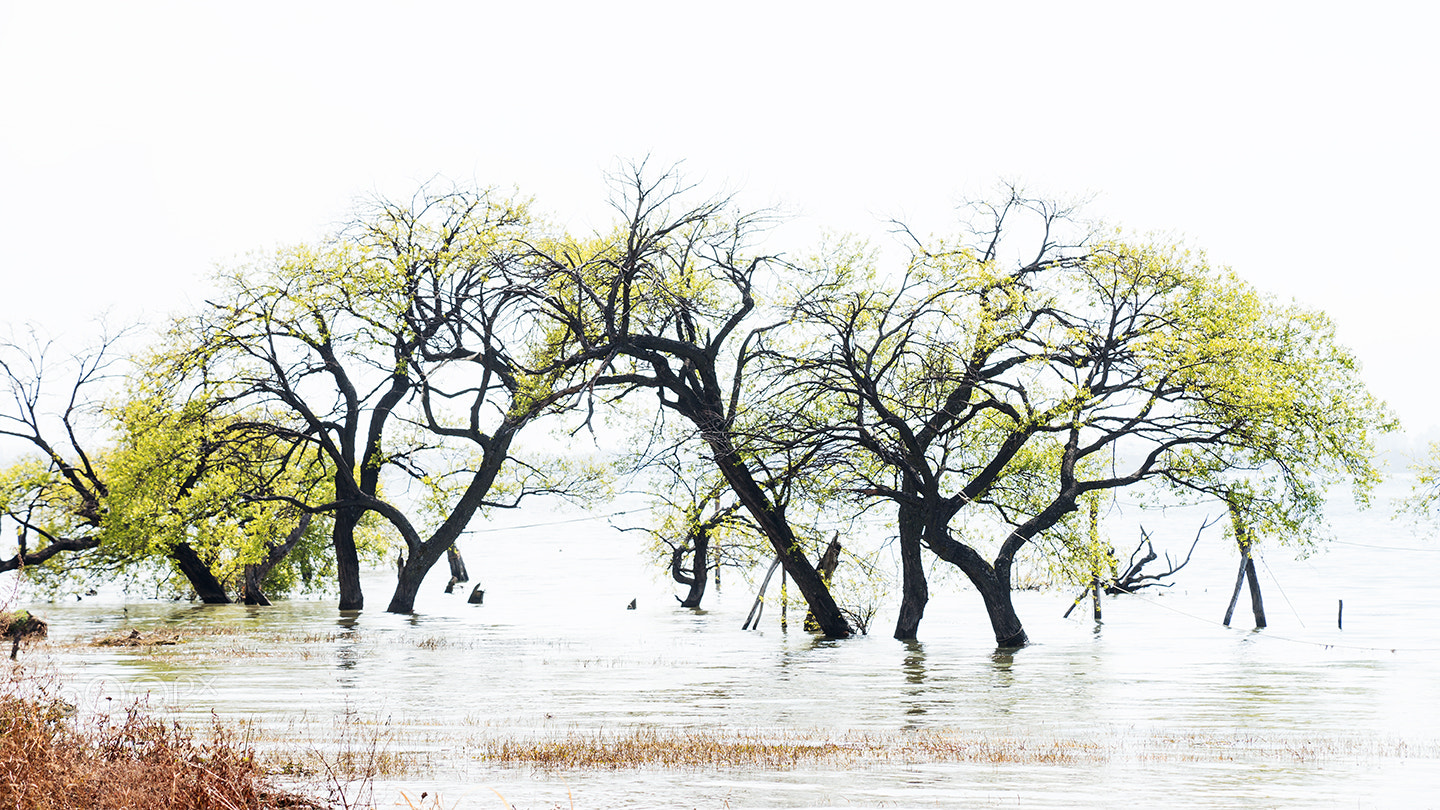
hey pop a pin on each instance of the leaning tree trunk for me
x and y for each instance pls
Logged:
(995, 591)
(993, 583)
(771, 521)
(829, 561)
(425, 553)
(411, 574)
(1246, 573)
(255, 574)
(914, 592)
(206, 586)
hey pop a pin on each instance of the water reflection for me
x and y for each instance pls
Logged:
(1002, 667)
(916, 698)
(347, 650)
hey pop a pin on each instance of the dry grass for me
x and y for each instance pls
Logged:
(787, 750)
(48, 761)
(151, 638)
(775, 751)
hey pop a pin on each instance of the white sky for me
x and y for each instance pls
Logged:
(143, 142)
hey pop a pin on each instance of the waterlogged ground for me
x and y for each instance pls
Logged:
(1159, 705)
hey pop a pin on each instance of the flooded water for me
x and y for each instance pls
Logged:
(1182, 711)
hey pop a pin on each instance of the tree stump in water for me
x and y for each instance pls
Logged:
(457, 565)
(829, 561)
(22, 625)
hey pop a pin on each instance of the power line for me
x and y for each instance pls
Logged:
(1382, 548)
(558, 522)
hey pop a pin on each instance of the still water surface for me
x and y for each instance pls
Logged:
(1303, 714)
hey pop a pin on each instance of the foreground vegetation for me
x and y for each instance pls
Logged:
(49, 760)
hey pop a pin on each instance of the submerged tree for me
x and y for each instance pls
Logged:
(1304, 423)
(403, 346)
(54, 492)
(698, 524)
(148, 488)
(1023, 380)
(671, 303)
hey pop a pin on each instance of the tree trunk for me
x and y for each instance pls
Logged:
(993, 583)
(758, 609)
(425, 553)
(1004, 620)
(776, 528)
(411, 574)
(699, 567)
(1235, 595)
(250, 591)
(347, 559)
(1257, 605)
(457, 565)
(255, 574)
(1247, 571)
(206, 586)
(914, 591)
(829, 561)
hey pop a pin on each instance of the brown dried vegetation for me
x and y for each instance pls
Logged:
(51, 761)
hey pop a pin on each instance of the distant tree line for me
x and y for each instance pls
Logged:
(335, 401)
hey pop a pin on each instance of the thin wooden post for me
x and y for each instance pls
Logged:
(784, 601)
(757, 609)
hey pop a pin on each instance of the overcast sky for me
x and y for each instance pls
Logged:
(142, 143)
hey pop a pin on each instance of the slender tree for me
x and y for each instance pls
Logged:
(669, 303)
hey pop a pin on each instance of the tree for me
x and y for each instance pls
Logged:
(668, 303)
(58, 494)
(699, 526)
(214, 494)
(1024, 380)
(404, 345)
(1306, 425)
(143, 481)
(928, 377)
(1425, 489)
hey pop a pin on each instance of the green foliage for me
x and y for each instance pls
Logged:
(1423, 502)
(1299, 418)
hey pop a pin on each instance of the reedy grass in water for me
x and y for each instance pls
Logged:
(785, 750)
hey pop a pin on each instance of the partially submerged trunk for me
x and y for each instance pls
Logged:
(206, 586)
(347, 558)
(255, 574)
(829, 561)
(914, 591)
(772, 522)
(1246, 572)
(993, 583)
(995, 591)
(698, 546)
(457, 565)
(411, 574)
